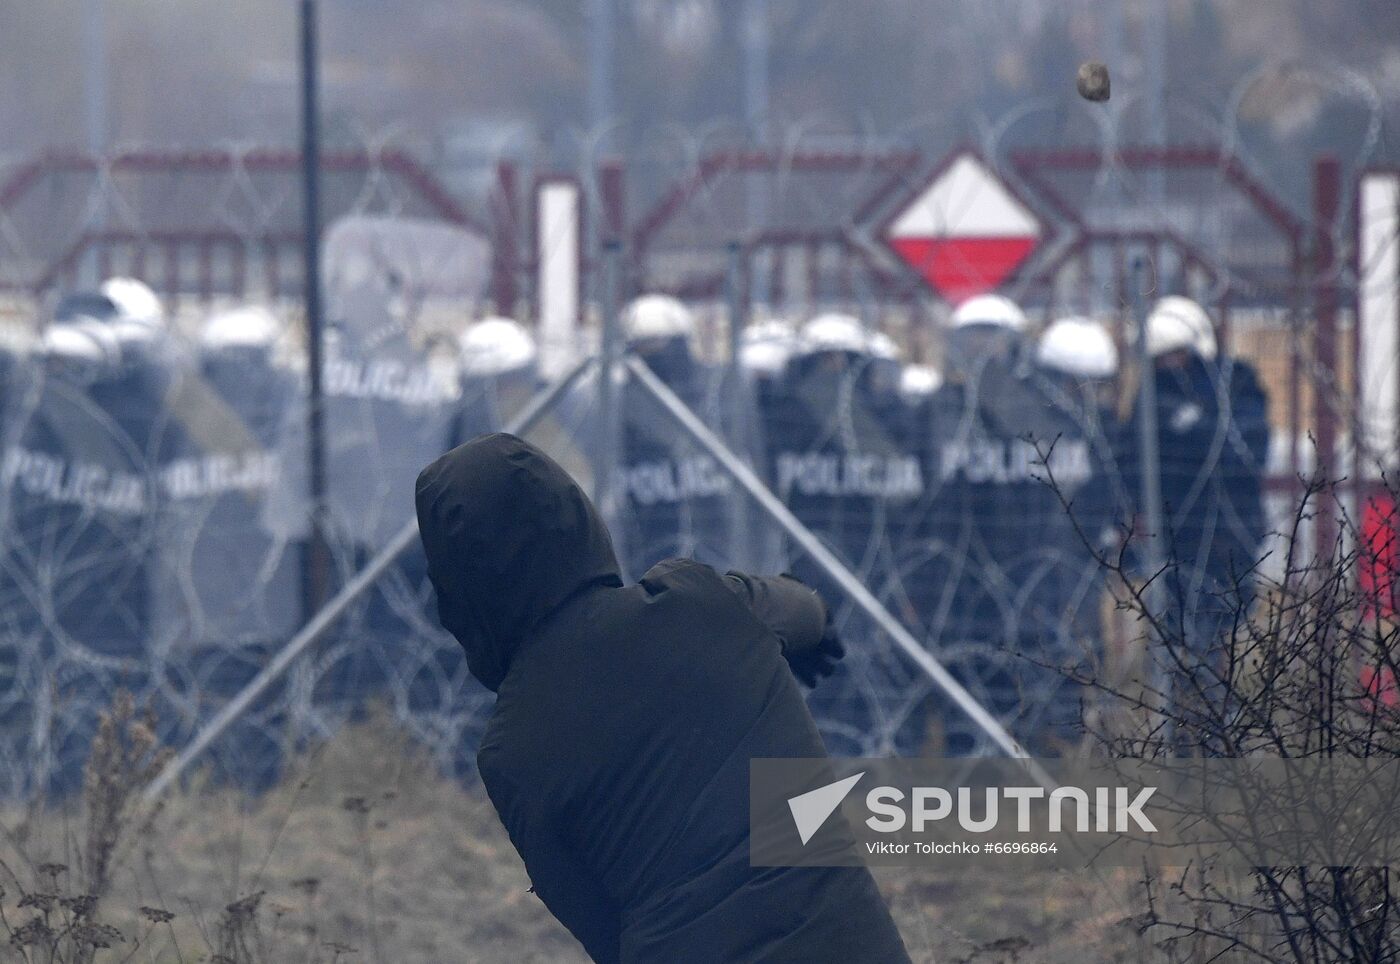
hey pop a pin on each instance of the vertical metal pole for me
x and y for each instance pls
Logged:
(612, 194)
(610, 495)
(1222, 309)
(1298, 299)
(734, 296)
(95, 112)
(318, 567)
(600, 64)
(505, 251)
(755, 39)
(602, 111)
(1149, 469)
(744, 538)
(610, 377)
(1327, 192)
(95, 75)
(1154, 60)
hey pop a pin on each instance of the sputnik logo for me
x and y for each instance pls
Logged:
(811, 809)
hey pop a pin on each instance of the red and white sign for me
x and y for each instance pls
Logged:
(965, 232)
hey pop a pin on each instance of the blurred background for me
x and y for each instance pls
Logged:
(761, 194)
(884, 251)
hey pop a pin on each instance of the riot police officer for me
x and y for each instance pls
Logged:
(677, 501)
(837, 459)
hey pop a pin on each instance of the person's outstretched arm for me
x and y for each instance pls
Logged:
(572, 892)
(797, 616)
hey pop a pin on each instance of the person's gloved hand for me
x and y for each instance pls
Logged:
(814, 663)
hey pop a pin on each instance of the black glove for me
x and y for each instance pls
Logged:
(815, 663)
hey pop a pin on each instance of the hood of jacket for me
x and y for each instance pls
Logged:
(509, 538)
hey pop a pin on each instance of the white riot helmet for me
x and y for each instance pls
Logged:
(883, 347)
(918, 382)
(994, 310)
(834, 332)
(247, 327)
(494, 346)
(1176, 323)
(657, 317)
(140, 316)
(765, 347)
(1077, 347)
(83, 343)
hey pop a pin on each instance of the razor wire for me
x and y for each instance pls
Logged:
(154, 503)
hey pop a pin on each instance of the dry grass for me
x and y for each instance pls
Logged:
(365, 854)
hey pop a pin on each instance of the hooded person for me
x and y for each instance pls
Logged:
(617, 755)
(677, 500)
(1213, 439)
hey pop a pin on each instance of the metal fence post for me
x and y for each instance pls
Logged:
(1327, 193)
(1149, 469)
(744, 538)
(317, 573)
(611, 379)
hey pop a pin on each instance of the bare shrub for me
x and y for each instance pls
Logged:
(1304, 667)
